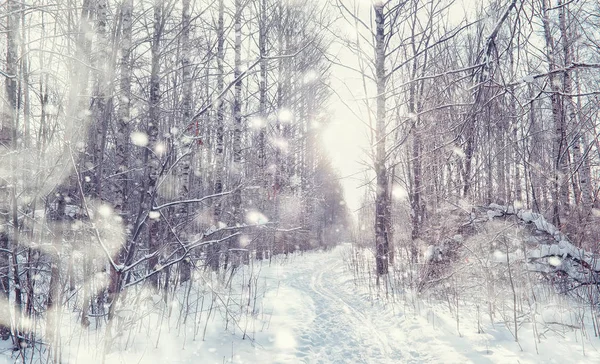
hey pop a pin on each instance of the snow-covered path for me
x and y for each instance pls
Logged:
(342, 330)
(320, 316)
(330, 325)
(333, 323)
(325, 319)
(309, 310)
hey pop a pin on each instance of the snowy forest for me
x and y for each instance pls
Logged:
(174, 181)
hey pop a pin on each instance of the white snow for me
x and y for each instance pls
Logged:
(51, 109)
(459, 152)
(528, 79)
(257, 122)
(160, 148)
(399, 193)
(310, 76)
(256, 217)
(105, 210)
(281, 143)
(310, 311)
(154, 215)
(553, 253)
(139, 138)
(285, 115)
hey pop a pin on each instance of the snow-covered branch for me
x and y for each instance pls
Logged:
(193, 245)
(561, 256)
(192, 200)
(2, 73)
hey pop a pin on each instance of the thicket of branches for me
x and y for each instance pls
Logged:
(142, 141)
(491, 104)
(484, 161)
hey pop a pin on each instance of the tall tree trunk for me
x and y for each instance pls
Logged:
(184, 167)
(152, 151)
(53, 303)
(585, 174)
(559, 149)
(262, 112)
(417, 170)
(8, 114)
(381, 199)
(214, 249)
(567, 111)
(97, 131)
(121, 185)
(77, 120)
(237, 129)
(275, 188)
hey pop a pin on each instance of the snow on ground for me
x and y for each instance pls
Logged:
(312, 312)
(343, 326)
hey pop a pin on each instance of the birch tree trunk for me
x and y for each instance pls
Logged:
(8, 132)
(77, 121)
(152, 127)
(381, 197)
(214, 249)
(567, 111)
(585, 174)
(559, 150)
(262, 113)
(122, 147)
(186, 143)
(98, 129)
(237, 130)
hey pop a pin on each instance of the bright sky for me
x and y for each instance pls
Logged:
(346, 138)
(346, 141)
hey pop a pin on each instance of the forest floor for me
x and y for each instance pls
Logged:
(312, 312)
(323, 317)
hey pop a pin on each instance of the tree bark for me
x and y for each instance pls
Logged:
(214, 249)
(237, 131)
(122, 147)
(152, 152)
(185, 161)
(8, 114)
(381, 194)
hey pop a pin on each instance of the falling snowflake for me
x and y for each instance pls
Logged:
(459, 152)
(295, 181)
(160, 148)
(399, 193)
(139, 138)
(105, 210)
(554, 261)
(244, 241)
(257, 122)
(285, 115)
(51, 109)
(256, 218)
(281, 144)
(310, 77)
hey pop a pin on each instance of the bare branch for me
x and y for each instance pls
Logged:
(193, 200)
